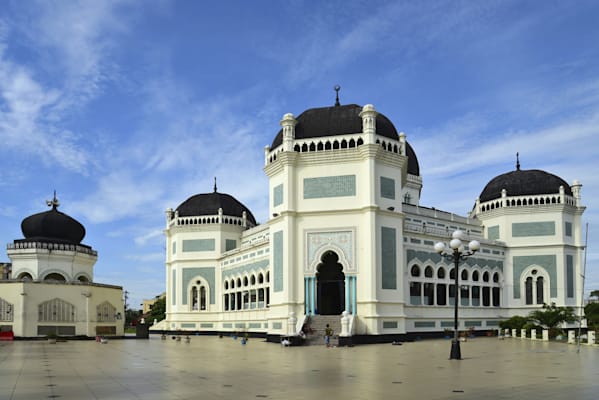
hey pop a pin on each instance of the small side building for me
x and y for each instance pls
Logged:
(50, 288)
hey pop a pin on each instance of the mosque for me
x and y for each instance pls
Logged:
(348, 243)
(48, 287)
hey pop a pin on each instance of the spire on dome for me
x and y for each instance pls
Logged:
(54, 203)
(337, 89)
(215, 184)
(517, 161)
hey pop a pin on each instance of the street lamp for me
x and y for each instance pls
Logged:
(455, 253)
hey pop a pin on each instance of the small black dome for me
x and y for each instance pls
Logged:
(52, 226)
(524, 183)
(343, 120)
(209, 203)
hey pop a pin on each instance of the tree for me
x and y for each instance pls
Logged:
(551, 316)
(591, 312)
(595, 293)
(158, 310)
(516, 322)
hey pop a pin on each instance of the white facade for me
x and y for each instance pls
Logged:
(347, 233)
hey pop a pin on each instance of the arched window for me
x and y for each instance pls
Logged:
(464, 275)
(475, 276)
(528, 286)
(415, 271)
(253, 280)
(540, 294)
(260, 278)
(407, 198)
(198, 296)
(428, 272)
(441, 273)
(485, 276)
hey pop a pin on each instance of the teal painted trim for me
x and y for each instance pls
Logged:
(468, 324)
(547, 262)
(492, 323)
(230, 244)
(277, 195)
(198, 245)
(174, 247)
(252, 267)
(569, 276)
(206, 272)
(387, 188)
(240, 325)
(493, 232)
(329, 186)
(389, 324)
(277, 325)
(388, 258)
(277, 259)
(254, 325)
(188, 325)
(227, 325)
(568, 229)
(206, 325)
(174, 284)
(525, 229)
(424, 324)
(424, 256)
(447, 324)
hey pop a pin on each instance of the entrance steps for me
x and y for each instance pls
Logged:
(318, 324)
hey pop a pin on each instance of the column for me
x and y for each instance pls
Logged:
(354, 301)
(313, 301)
(347, 298)
(306, 295)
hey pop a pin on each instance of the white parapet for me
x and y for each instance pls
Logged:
(522, 333)
(545, 335)
(571, 337)
(514, 332)
(591, 337)
(507, 333)
(533, 334)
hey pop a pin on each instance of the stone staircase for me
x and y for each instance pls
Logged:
(318, 324)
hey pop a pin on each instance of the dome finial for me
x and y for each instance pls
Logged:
(517, 161)
(54, 203)
(215, 184)
(337, 89)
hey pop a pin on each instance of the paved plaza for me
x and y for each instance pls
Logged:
(213, 368)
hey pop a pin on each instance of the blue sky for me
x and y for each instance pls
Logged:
(126, 108)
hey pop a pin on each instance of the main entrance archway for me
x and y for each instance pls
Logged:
(330, 285)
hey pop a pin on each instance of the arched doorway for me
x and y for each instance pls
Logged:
(330, 285)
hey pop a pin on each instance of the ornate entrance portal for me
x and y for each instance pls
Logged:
(330, 283)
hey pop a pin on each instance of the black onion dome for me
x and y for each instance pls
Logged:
(52, 226)
(343, 120)
(524, 183)
(209, 203)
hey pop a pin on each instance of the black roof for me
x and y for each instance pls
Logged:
(524, 182)
(52, 226)
(343, 120)
(209, 203)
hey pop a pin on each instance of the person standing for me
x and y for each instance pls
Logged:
(328, 332)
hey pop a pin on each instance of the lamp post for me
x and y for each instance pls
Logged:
(455, 253)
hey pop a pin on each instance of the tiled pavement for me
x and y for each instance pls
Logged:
(213, 368)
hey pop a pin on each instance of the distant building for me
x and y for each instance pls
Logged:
(50, 289)
(347, 233)
(147, 304)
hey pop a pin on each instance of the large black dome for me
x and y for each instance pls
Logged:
(209, 203)
(524, 183)
(52, 226)
(343, 120)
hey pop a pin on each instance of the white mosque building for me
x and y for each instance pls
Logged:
(49, 289)
(348, 243)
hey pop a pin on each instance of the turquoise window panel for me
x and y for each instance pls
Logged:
(227, 325)
(524, 229)
(469, 324)
(547, 262)
(240, 325)
(277, 325)
(206, 325)
(569, 276)
(329, 186)
(493, 232)
(388, 258)
(254, 325)
(207, 273)
(387, 188)
(186, 325)
(277, 195)
(447, 324)
(230, 244)
(277, 258)
(424, 324)
(198, 245)
(174, 247)
(174, 287)
(568, 229)
(492, 323)
(389, 324)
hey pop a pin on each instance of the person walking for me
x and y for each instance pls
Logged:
(328, 332)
